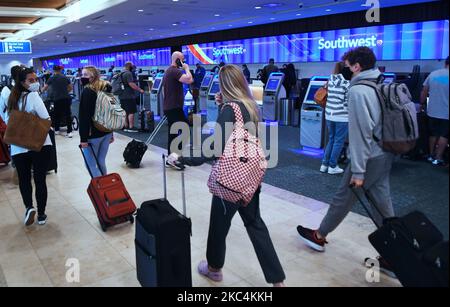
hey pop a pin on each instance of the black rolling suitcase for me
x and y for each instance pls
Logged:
(413, 246)
(53, 163)
(146, 117)
(163, 243)
(135, 150)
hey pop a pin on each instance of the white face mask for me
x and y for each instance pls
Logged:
(34, 87)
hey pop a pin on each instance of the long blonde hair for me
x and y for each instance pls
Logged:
(97, 84)
(234, 87)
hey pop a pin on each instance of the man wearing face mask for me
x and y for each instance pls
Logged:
(128, 97)
(370, 166)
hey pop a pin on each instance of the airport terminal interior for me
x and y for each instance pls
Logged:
(287, 54)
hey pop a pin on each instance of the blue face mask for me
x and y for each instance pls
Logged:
(34, 87)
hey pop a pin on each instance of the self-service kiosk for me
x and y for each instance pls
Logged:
(389, 77)
(157, 95)
(204, 90)
(212, 111)
(312, 124)
(273, 93)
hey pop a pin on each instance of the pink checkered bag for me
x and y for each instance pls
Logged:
(239, 172)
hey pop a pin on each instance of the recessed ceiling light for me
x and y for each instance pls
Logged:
(273, 5)
(250, 22)
(110, 37)
(174, 24)
(140, 11)
(106, 21)
(230, 25)
(217, 15)
(272, 18)
(258, 7)
(125, 34)
(298, 14)
(88, 27)
(328, 10)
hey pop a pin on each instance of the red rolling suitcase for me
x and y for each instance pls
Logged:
(110, 198)
(5, 157)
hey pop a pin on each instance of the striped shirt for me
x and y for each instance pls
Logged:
(337, 102)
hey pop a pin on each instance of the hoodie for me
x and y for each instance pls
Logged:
(364, 123)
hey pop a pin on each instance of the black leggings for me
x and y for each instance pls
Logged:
(38, 161)
(220, 222)
(63, 108)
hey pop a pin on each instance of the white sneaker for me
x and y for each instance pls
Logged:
(324, 169)
(69, 135)
(57, 133)
(335, 171)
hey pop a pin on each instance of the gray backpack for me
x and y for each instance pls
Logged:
(400, 129)
(118, 86)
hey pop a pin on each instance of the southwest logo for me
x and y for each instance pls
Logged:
(346, 43)
(226, 50)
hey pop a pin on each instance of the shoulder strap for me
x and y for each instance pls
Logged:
(24, 101)
(237, 113)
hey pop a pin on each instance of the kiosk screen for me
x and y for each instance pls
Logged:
(272, 85)
(215, 88)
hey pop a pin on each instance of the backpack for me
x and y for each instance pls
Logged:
(400, 129)
(118, 86)
(108, 115)
(238, 173)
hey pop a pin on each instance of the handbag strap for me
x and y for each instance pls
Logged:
(24, 101)
(237, 114)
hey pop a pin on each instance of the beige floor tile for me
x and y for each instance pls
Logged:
(37, 255)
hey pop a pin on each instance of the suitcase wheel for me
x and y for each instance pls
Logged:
(103, 226)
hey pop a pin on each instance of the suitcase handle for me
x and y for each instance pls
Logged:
(155, 132)
(371, 202)
(183, 186)
(96, 160)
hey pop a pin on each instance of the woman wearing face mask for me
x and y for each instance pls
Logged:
(336, 115)
(26, 90)
(88, 133)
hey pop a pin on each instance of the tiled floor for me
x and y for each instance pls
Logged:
(37, 256)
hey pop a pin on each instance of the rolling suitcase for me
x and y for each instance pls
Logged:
(53, 163)
(134, 152)
(146, 117)
(163, 248)
(5, 156)
(110, 198)
(412, 245)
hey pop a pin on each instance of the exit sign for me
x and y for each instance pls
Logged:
(10, 47)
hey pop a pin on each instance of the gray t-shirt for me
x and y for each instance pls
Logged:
(437, 82)
(58, 87)
(128, 93)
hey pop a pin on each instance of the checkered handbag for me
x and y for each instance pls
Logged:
(238, 173)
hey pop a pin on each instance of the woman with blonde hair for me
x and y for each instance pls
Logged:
(98, 140)
(234, 89)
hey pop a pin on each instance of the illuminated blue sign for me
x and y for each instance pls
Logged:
(22, 47)
(141, 58)
(411, 41)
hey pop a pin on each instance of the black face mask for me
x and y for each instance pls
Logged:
(84, 81)
(347, 73)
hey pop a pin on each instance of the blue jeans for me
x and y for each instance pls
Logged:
(100, 147)
(337, 135)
